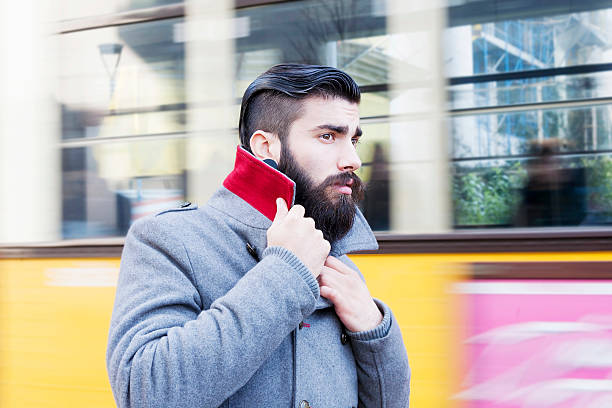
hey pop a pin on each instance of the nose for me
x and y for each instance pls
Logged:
(348, 159)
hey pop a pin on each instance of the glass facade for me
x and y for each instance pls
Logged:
(524, 108)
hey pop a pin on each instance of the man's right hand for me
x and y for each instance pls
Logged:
(292, 231)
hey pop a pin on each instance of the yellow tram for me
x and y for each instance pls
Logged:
(56, 300)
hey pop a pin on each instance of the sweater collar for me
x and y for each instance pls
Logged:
(258, 185)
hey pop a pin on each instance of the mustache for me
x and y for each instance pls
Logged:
(344, 179)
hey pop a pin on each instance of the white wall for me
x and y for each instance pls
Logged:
(30, 204)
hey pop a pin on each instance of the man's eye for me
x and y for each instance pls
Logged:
(327, 136)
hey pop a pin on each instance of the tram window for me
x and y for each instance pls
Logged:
(122, 81)
(106, 187)
(544, 164)
(375, 172)
(316, 32)
(509, 170)
(123, 126)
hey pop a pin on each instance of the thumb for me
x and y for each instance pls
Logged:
(281, 209)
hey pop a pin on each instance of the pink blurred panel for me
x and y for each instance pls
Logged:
(538, 344)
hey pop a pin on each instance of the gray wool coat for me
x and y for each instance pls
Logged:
(201, 321)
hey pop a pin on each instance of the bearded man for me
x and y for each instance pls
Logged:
(251, 300)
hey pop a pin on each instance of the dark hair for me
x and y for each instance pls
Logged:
(274, 100)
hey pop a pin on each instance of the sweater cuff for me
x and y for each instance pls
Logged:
(377, 332)
(294, 262)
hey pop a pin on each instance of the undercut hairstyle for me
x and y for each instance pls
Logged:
(274, 100)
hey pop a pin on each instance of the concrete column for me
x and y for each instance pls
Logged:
(210, 29)
(420, 195)
(30, 171)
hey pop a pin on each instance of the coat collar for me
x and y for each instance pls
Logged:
(259, 184)
(250, 196)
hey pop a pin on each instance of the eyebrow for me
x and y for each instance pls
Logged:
(343, 130)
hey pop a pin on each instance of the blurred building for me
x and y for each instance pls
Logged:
(115, 110)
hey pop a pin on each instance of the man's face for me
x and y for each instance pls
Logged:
(319, 155)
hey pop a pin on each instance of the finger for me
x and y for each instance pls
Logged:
(338, 265)
(297, 211)
(281, 210)
(329, 277)
(327, 245)
(311, 222)
(327, 271)
(329, 293)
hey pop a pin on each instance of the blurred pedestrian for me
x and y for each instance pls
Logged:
(555, 194)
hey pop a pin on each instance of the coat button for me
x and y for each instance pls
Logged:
(304, 404)
(343, 338)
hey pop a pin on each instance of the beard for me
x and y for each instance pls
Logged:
(332, 211)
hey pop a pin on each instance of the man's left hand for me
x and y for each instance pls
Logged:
(350, 296)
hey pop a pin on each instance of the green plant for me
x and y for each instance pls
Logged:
(599, 185)
(487, 196)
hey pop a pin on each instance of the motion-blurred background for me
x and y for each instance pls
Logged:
(487, 153)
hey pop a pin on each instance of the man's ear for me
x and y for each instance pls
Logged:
(265, 145)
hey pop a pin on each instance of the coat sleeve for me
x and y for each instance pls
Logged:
(383, 372)
(164, 350)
